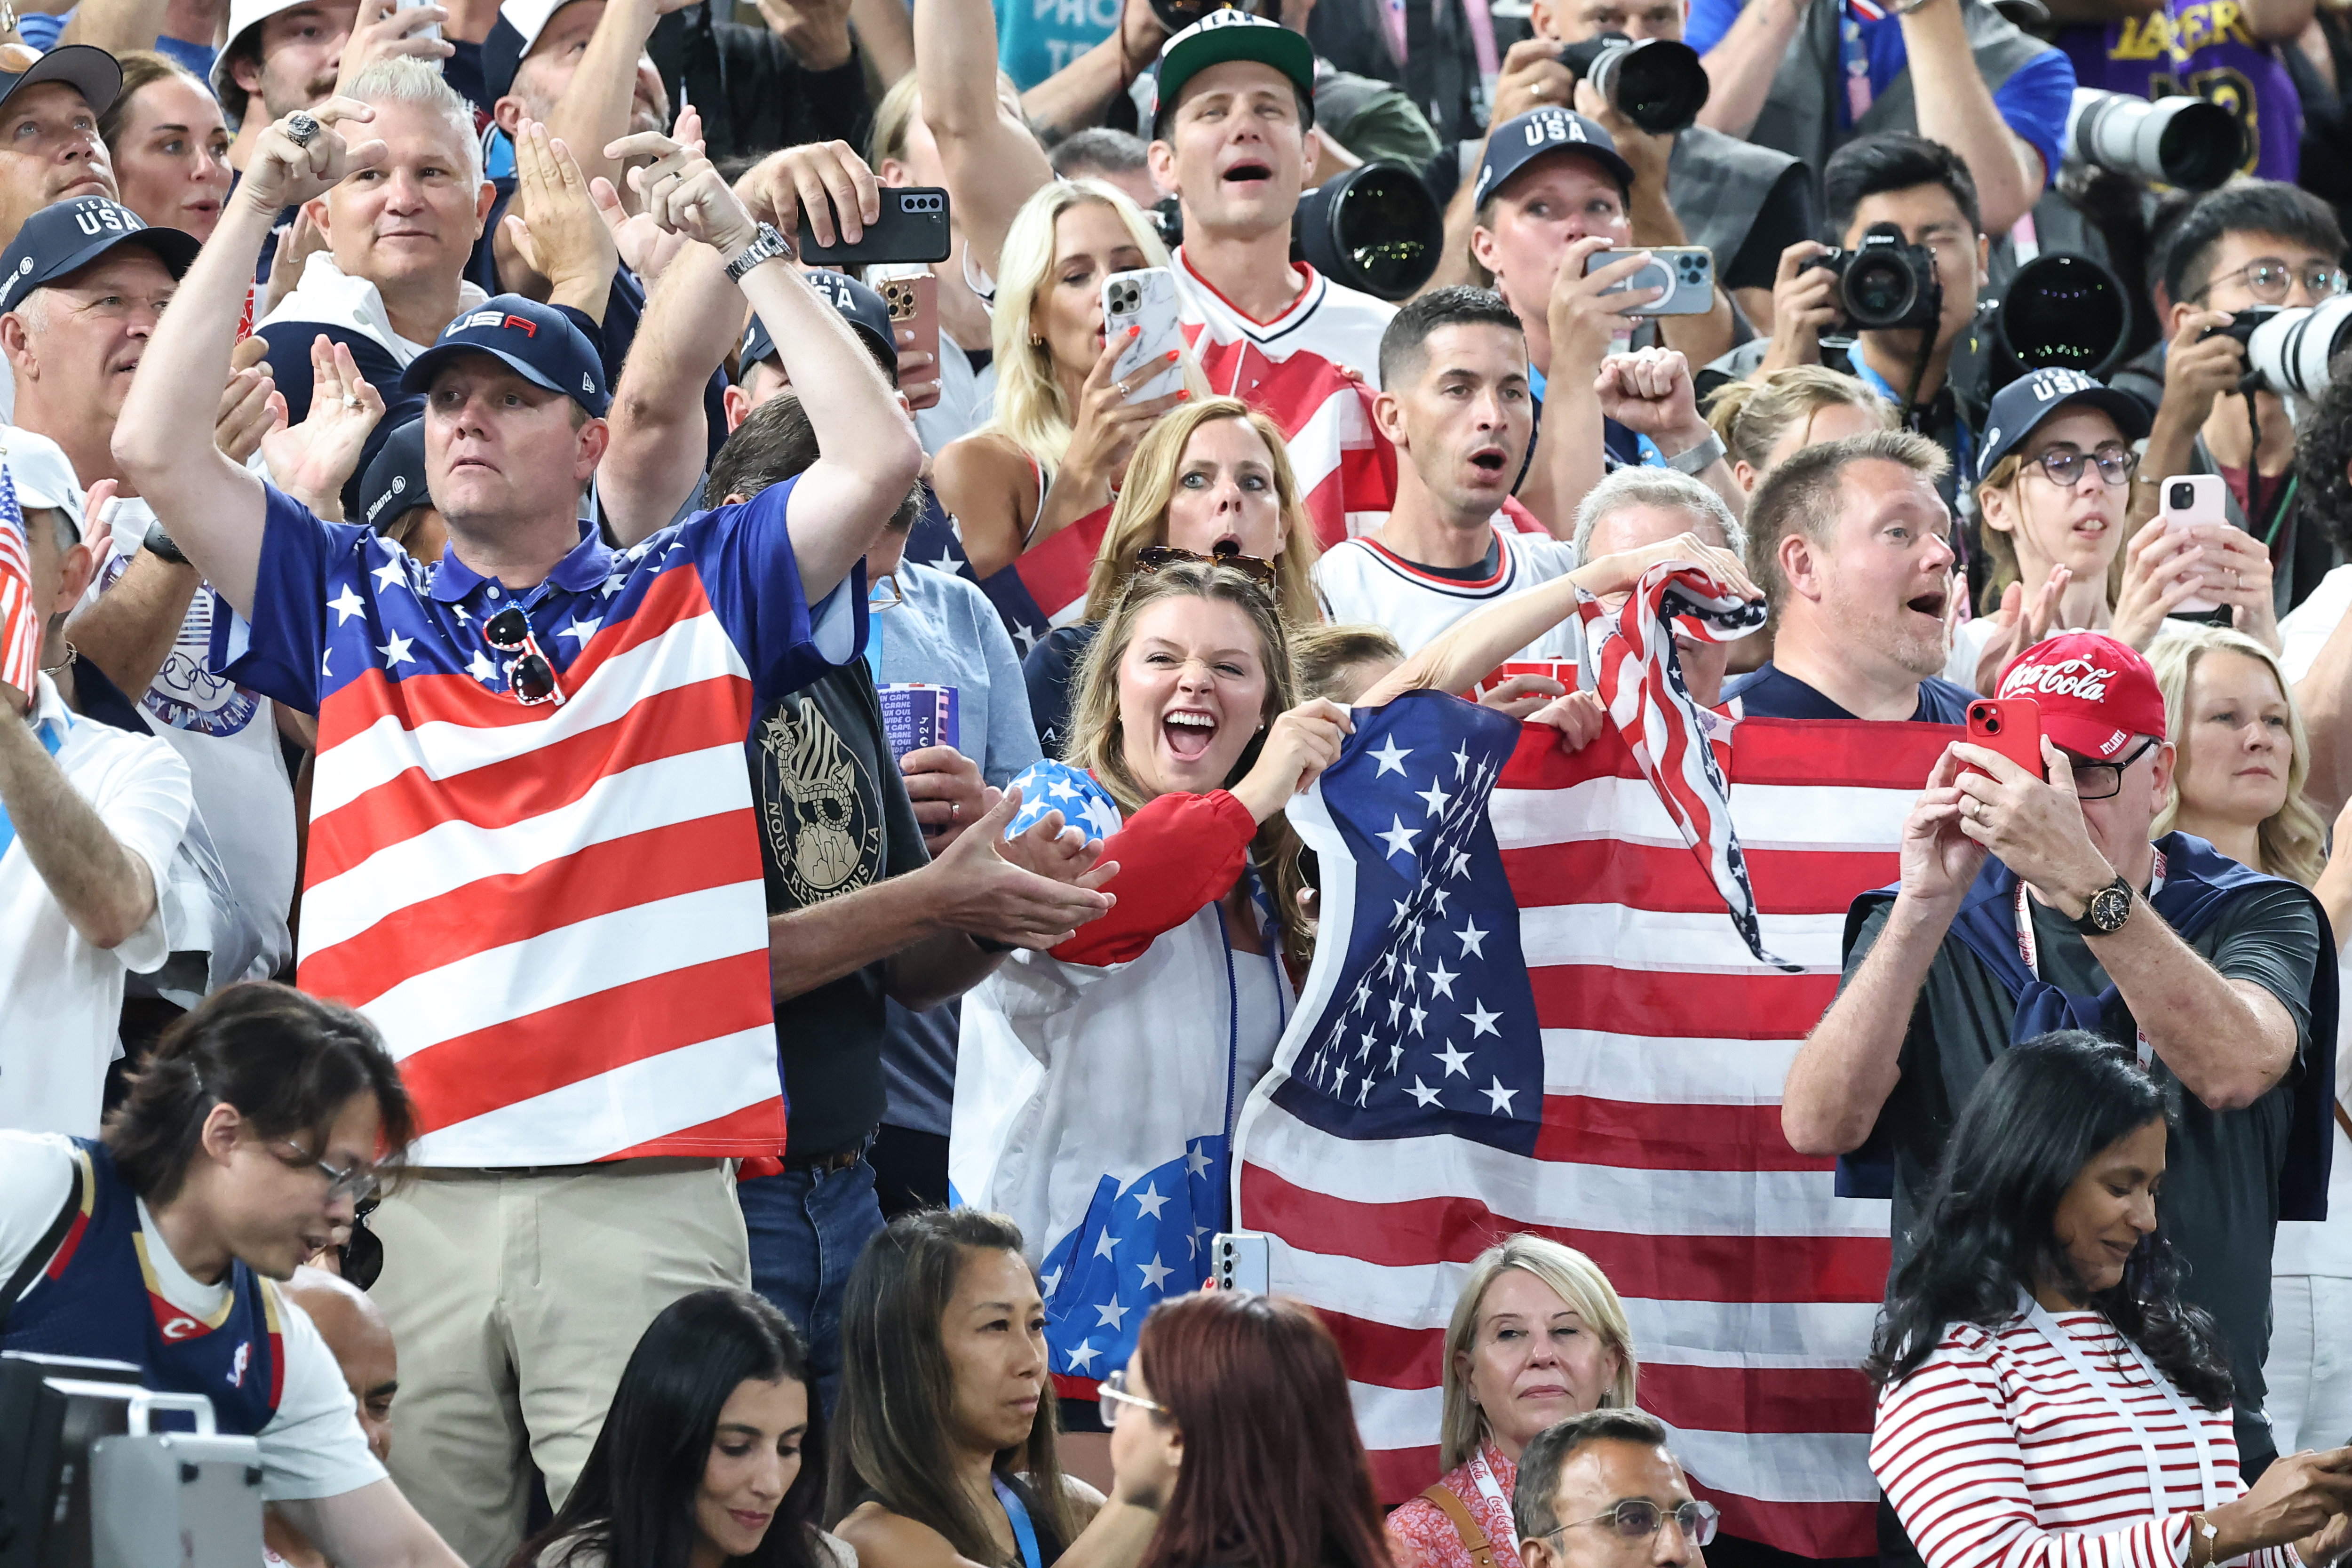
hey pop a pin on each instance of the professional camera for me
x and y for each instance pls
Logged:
(1375, 228)
(1178, 15)
(2186, 141)
(2288, 351)
(2060, 311)
(1658, 83)
(1885, 282)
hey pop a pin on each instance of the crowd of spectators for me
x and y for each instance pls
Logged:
(647, 845)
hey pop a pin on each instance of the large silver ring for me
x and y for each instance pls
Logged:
(1119, 387)
(302, 127)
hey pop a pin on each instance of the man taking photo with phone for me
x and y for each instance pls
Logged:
(2028, 903)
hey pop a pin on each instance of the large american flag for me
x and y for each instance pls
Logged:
(1532, 1010)
(20, 618)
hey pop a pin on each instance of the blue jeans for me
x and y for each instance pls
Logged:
(807, 1229)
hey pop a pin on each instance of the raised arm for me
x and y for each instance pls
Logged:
(1740, 68)
(1956, 108)
(993, 161)
(1074, 98)
(594, 107)
(867, 454)
(212, 508)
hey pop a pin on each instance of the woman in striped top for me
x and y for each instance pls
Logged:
(2046, 1398)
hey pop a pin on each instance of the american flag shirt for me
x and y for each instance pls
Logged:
(554, 913)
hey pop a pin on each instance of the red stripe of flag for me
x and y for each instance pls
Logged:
(1672, 1005)
(1633, 1135)
(1660, 878)
(1056, 570)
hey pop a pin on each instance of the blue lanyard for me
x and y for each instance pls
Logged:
(1963, 440)
(1016, 1513)
(53, 740)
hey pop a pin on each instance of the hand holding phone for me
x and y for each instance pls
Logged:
(2010, 726)
(1145, 298)
(913, 227)
(1686, 273)
(2193, 503)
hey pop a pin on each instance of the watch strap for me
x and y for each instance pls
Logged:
(1698, 458)
(766, 245)
(2089, 926)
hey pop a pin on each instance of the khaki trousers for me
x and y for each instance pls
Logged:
(515, 1299)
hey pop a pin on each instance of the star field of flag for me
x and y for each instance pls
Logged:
(1133, 1249)
(1430, 1023)
(1049, 787)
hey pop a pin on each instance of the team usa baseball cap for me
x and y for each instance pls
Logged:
(69, 235)
(2096, 693)
(1520, 141)
(2019, 408)
(861, 307)
(537, 342)
(1233, 35)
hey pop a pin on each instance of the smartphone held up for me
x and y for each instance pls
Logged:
(2196, 504)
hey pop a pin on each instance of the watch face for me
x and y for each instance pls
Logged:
(2109, 908)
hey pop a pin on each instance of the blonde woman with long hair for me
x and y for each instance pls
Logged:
(1057, 447)
(1762, 421)
(1538, 1335)
(1212, 478)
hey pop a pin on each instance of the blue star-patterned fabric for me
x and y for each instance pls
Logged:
(1419, 975)
(1133, 1249)
(1049, 786)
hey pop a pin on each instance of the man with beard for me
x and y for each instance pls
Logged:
(297, 54)
(1852, 545)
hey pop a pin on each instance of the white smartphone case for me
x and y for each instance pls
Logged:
(1686, 273)
(1144, 297)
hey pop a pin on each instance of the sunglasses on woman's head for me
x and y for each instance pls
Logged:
(1152, 557)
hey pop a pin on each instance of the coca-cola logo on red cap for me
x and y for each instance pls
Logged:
(2076, 678)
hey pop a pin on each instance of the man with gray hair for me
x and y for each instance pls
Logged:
(398, 238)
(1601, 1490)
(1853, 544)
(1638, 506)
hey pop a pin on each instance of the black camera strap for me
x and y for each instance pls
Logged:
(43, 1250)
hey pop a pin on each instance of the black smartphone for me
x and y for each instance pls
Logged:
(913, 227)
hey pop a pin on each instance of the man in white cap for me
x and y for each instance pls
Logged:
(89, 818)
(297, 54)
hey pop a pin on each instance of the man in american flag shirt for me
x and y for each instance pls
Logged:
(533, 859)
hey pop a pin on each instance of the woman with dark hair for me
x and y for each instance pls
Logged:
(260, 1123)
(713, 1451)
(945, 1446)
(1245, 1399)
(2045, 1395)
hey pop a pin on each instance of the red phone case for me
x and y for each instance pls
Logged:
(2012, 726)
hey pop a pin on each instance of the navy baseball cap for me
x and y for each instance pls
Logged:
(1234, 34)
(87, 69)
(68, 235)
(394, 484)
(861, 307)
(1515, 143)
(537, 342)
(2022, 406)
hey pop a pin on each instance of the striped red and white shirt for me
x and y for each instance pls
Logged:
(1997, 1453)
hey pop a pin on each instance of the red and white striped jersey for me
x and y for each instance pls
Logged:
(554, 913)
(1291, 368)
(1999, 1453)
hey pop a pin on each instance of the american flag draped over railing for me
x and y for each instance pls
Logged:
(1547, 1022)
(20, 617)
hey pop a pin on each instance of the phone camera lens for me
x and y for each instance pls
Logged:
(2181, 497)
(1992, 724)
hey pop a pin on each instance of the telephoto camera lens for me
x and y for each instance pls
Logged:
(2182, 140)
(1375, 228)
(2290, 352)
(1658, 83)
(2063, 310)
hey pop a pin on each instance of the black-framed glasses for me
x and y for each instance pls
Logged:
(1111, 1394)
(2270, 278)
(2104, 781)
(2064, 465)
(530, 672)
(358, 1183)
(1639, 1519)
(1152, 557)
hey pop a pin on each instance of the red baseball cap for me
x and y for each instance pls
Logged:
(2096, 693)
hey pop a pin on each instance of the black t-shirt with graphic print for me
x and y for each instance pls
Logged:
(834, 818)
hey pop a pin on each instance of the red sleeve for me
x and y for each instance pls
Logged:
(1177, 854)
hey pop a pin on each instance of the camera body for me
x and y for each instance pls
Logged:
(1885, 282)
(2241, 325)
(1658, 83)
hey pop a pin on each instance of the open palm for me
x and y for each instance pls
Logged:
(314, 459)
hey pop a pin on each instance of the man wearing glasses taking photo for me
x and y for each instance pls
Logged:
(2034, 900)
(2254, 244)
(1600, 1490)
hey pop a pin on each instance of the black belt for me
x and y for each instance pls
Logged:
(840, 1160)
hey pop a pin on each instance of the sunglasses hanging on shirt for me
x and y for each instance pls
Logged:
(530, 672)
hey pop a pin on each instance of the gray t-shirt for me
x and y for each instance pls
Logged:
(2221, 1193)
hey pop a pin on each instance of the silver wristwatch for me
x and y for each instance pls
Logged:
(1699, 457)
(766, 245)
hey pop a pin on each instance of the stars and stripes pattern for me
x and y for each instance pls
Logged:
(1132, 1249)
(1046, 587)
(555, 914)
(1627, 1102)
(20, 617)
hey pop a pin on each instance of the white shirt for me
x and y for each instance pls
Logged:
(325, 294)
(1365, 584)
(60, 998)
(228, 734)
(313, 1446)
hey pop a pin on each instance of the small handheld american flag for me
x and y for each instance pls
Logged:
(20, 618)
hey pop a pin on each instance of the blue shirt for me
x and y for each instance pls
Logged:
(2033, 102)
(1766, 692)
(42, 31)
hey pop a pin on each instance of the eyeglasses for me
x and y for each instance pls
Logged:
(358, 1183)
(1111, 1393)
(2103, 780)
(1152, 557)
(1639, 1519)
(2064, 464)
(531, 673)
(2268, 278)
(873, 599)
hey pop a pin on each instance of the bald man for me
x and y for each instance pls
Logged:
(356, 1333)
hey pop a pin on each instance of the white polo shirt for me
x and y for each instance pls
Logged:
(60, 998)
